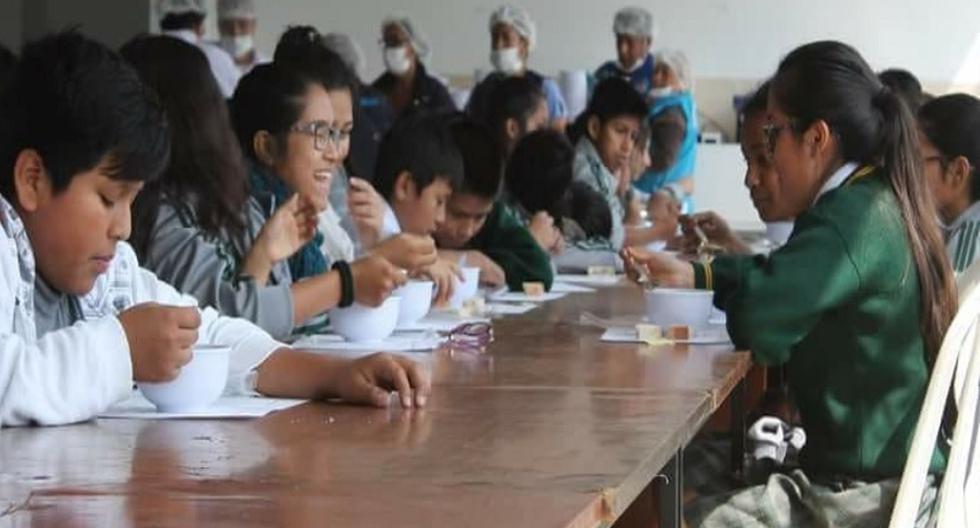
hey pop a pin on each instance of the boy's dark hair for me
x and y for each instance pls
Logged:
(423, 145)
(482, 161)
(206, 170)
(179, 21)
(539, 172)
(589, 210)
(77, 104)
(303, 47)
(270, 98)
(513, 98)
(612, 98)
(905, 85)
(952, 125)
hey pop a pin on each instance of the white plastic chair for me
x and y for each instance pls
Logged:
(959, 358)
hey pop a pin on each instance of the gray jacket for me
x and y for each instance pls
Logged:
(207, 268)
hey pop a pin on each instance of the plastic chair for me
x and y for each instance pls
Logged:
(958, 357)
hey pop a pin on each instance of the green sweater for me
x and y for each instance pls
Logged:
(839, 305)
(508, 243)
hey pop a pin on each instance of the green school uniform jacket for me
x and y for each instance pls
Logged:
(839, 305)
(508, 243)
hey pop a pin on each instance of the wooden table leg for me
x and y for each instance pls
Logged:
(671, 493)
(738, 429)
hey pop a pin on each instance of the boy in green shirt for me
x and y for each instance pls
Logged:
(480, 228)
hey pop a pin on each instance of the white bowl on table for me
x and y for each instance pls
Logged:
(466, 289)
(363, 324)
(416, 301)
(675, 306)
(199, 383)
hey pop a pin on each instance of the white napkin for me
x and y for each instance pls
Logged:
(590, 280)
(508, 296)
(137, 407)
(400, 342)
(707, 336)
(567, 287)
(511, 309)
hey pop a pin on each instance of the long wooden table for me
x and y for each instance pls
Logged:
(549, 427)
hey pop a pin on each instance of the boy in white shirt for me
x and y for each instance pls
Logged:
(79, 320)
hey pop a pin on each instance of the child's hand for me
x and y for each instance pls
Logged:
(160, 339)
(444, 274)
(374, 279)
(545, 232)
(366, 208)
(407, 251)
(371, 380)
(663, 269)
(288, 230)
(490, 273)
(713, 226)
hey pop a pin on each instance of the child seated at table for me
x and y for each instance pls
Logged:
(80, 321)
(950, 147)
(517, 108)
(607, 133)
(418, 167)
(855, 304)
(479, 229)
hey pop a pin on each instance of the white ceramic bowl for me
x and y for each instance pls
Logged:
(670, 306)
(416, 301)
(361, 323)
(467, 289)
(198, 385)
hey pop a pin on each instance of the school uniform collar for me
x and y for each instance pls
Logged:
(970, 214)
(837, 179)
(186, 35)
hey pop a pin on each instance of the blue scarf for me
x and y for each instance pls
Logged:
(270, 192)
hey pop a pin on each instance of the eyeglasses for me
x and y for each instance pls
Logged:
(323, 134)
(770, 133)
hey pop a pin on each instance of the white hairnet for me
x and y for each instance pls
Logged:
(179, 7)
(233, 9)
(348, 50)
(677, 61)
(634, 22)
(519, 19)
(416, 37)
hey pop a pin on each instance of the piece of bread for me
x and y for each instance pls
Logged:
(602, 271)
(679, 333)
(533, 289)
(650, 334)
(473, 307)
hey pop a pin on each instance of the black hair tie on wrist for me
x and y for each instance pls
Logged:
(346, 283)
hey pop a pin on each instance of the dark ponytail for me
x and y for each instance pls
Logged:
(952, 124)
(829, 81)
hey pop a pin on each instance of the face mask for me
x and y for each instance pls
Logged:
(237, 46)
(661, 92)
(397, 61)
(507, 61)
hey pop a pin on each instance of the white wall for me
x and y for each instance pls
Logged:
(733, 39)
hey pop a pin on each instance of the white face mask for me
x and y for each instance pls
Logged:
(238, 46)
(507, 60)
(661, 92)
(397, 61)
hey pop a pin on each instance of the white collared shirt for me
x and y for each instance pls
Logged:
(836, 179)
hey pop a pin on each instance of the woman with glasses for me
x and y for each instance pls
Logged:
(950, 147)
(198, 228)
(406, 83)
(855, 305)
